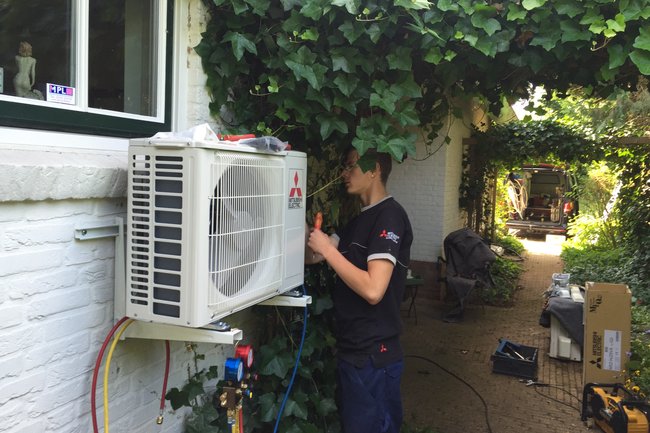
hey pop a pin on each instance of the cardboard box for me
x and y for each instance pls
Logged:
(607, 321)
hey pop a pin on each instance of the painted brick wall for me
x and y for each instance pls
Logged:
(56, 292)
(56, 308)
(427, 187)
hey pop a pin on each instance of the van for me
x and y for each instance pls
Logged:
(539, 200)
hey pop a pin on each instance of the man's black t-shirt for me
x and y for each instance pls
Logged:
(380, 231)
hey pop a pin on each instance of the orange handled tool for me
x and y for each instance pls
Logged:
(318, 220)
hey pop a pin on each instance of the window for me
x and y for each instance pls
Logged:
(94, 66)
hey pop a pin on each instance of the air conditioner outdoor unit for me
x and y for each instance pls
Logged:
(213, 227)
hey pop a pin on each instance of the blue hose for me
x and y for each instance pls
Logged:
(295, 367)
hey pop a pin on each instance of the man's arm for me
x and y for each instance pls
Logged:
(371, 285)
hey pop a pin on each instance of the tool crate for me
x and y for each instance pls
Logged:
(515, 360)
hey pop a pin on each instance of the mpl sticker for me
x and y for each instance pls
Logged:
(612, 350)
(60, 94)
(296, 186)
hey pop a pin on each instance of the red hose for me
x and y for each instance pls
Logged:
(164, 387)
(98, 363)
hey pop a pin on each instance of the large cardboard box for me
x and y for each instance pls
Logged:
(607, 321)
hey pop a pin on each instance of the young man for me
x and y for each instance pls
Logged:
(371, 257)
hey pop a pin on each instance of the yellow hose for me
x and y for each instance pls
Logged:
(107, 370)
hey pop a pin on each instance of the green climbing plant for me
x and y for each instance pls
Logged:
(369, 72)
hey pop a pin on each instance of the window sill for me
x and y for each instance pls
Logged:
(38, 173)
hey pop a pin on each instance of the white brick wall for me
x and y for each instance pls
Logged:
(56, 307)
(428, 190)
(56, 292)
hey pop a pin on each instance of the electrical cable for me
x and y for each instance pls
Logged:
(487, 418)
(295, 367)
(555, 399)
(93, 402)
(107, 370)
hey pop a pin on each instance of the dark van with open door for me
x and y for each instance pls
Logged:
(539, 200)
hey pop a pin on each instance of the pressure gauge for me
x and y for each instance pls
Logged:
(234, 370)
(245, 353)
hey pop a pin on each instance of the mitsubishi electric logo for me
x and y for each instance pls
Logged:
(295, 191)
(389, 236)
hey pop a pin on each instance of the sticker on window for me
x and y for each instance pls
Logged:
(60, 94)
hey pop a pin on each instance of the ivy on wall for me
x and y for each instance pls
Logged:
(367, 72)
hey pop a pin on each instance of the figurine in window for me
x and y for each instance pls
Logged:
(26, 76)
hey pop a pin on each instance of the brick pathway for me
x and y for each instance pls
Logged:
(448, 383)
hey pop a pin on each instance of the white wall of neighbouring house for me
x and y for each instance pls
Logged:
(427, 186)
(56, 291)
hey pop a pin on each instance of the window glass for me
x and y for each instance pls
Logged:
(122, 56)
(36, 46)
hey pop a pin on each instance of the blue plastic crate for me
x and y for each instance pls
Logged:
(515, 359)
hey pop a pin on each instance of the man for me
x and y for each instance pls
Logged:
(371, 257)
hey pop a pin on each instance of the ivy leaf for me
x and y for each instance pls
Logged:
(569, 8)
(277, 365)
(413, 4)
(489, 25)
(571, 32)
(313, 10)
(447, 5)
(365, 138)
(346, 83)
(641, 59)
(643, 40)
(239, 7)
(310, 34)
(287, 5)
(213, 372)
(398, 147)
(597, 27)
(617, 55)
(177, 398)
(400, 59)
(383, 97)
(617, 24)
(434, 56)
(347, 104)
(471, 39)
(407, 88)
(591, 16)
(321, 97)
(352, 6)
(239, 43)
(259, 6)
(302, 64)
(325, 406)
(547, 40)
(374, 32)
(340, 61)
(351, 31)
(193, 388)
(515, 12)
(281, 114)
(408, 115)
(329, 124)
(486, 46)
(269, 407)
(532, 4)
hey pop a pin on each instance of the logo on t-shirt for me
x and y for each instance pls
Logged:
(389, 236)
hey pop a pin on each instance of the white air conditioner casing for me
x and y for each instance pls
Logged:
(212, 228)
